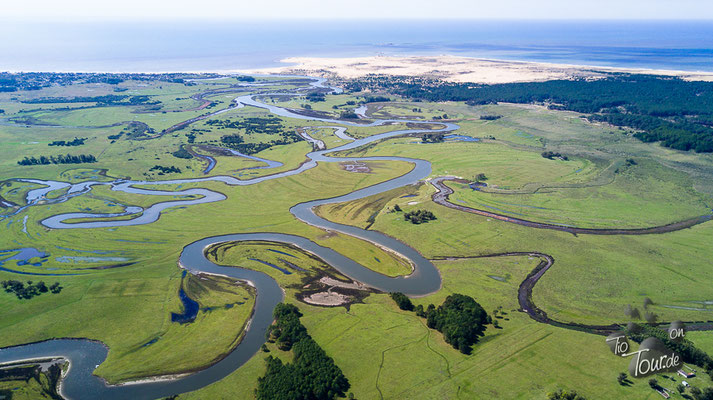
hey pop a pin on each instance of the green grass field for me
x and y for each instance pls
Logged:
(638, 196)
(243, 254)
(468, 159)
(703, 340)
(216, 330)
(411, 361)
(32, 389)
(385, 353)
(150, 285)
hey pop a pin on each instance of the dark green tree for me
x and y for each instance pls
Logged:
(402, 301)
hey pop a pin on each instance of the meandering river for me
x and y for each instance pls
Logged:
(85, 355)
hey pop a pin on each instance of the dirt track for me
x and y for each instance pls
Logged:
(524, 293)
(524, 298)
(441, 197)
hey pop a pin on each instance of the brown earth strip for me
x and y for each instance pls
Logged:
(441, 197)
(524, 298)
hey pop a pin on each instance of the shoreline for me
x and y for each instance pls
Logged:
(448, 67)
(454, 68)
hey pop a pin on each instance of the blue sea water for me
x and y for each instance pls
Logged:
(183, 45)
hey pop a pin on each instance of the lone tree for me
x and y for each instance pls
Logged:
(647, 302)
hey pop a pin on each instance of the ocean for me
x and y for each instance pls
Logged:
(182, 45)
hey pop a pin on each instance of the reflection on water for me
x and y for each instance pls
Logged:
(190, 309)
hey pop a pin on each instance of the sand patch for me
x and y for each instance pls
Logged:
(355, 166)
(327, 299)
(454, 69)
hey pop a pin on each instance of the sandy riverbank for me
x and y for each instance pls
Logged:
(453, 69)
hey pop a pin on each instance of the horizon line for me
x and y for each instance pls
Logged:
(104, 18)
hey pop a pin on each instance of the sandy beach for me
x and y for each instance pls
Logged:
(453, 69)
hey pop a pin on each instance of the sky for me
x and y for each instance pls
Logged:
(340, 9)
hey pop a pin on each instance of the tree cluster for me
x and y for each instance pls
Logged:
(137, 129)
(376, 99)
(31, 290)
(419, 216)
(315, 97)
(705, 394)
(193, 133)
(311, 375)
(678, 133)
(231, 140)
(675, 112)
(75, 142)
(565, 395)
(105, 100)
(551, 155)
(432, 138)
(460, 319)
(16, 81)
(269, 125)
(347, 114)
(402, 301)
(236, 142)
(60, 159)
(165, 170)
(688, 351)
(182, 153)
(133, 129)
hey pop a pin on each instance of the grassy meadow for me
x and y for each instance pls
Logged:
(386, 353)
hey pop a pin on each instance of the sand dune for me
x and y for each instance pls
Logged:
(453, 69)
